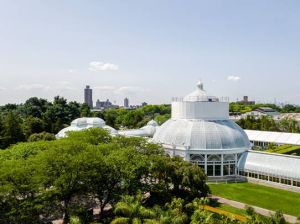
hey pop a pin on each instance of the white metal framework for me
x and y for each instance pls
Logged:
(264, 137)
(271, 167)
(200, 131)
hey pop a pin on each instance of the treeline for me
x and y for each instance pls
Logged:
(45, 181)
(266, 123)
(136, 118)
(39, 119)
(243, 108)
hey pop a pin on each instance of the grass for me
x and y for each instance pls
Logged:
(286, 149)
(261, 196)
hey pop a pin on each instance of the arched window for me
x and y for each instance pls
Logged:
(214, 158)
(198, 158)
(229, 157)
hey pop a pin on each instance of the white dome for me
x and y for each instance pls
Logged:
(198, 95)
(85, 123)
(62, 133)
(202, 135)
(94, 122)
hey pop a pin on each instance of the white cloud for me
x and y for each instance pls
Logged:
(29, 87)
(233, 78)
(2, 88)
(96, 66)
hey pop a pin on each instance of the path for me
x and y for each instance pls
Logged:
(262, 211)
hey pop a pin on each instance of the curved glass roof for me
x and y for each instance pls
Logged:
(274, 137)
(84, 123)
(270, 163)
(202, 134)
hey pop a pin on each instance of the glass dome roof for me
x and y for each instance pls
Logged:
(202, 134)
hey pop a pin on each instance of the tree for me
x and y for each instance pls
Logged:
(19, 185)
(12, 131)
(34, 107)
(43, 136)
(33, 125)
(131, 210)
(63, 174)
(85, 110)
(181, 178)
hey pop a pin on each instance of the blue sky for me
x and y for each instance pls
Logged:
(149, 50)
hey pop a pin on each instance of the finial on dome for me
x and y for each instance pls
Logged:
(200, 85)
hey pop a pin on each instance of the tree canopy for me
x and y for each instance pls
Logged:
(47, 180)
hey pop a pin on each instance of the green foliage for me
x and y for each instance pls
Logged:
(285, 149)
(131, 210)
(19, 122)
(266, 123)
(33, 125)
(11, 130)
(47, 180)
(123, 118)
(243, 108)
(43, 136)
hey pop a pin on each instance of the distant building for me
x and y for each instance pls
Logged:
(126, 102)
(246, 101)
(257, 114)
(88, 96)
(267, 111)
(144, 104)
(104, 104)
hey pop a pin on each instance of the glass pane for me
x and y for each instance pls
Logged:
(232, 169)
(217, 170)
(210, 170)
(226, 170)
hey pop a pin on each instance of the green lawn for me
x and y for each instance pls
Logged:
(261, 196)
(286, 149)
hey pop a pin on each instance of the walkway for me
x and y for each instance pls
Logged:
(262, 211)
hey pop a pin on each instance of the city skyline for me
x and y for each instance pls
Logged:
(149, 53)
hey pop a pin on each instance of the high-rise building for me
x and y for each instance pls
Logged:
(126, 102)
(88, 96)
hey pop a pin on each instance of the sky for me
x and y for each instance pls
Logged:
(149, 50)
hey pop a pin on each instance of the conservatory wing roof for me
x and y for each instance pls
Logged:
(274, 137)
(270, 163)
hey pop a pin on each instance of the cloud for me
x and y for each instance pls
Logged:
(233, 78)
(96, 66)
(29, 87)
(2, 88)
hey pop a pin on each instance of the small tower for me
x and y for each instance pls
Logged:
(88, 96)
